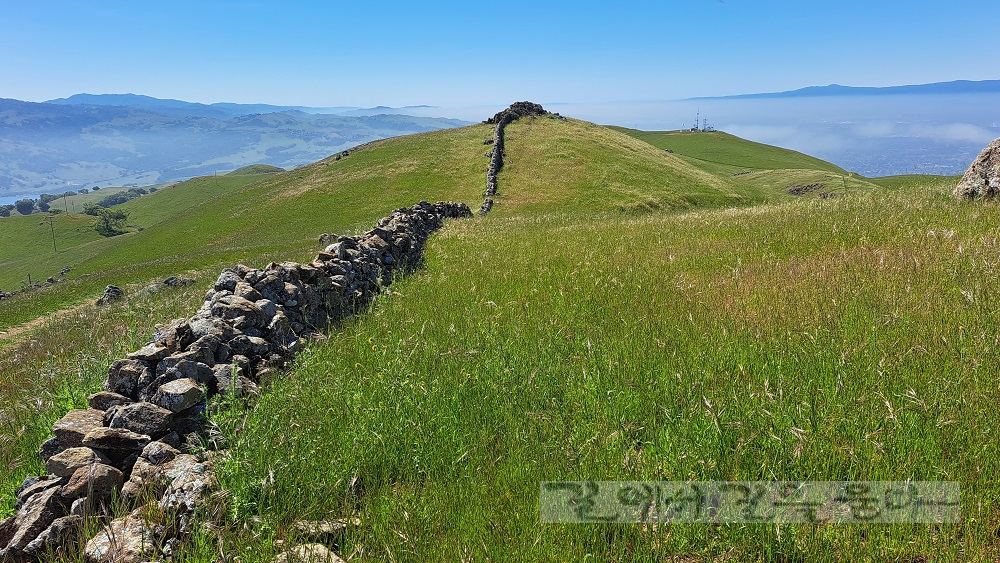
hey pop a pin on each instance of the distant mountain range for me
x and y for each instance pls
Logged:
(937, 88)
(221, 110)
(119, 139)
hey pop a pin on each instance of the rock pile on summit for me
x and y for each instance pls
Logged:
(137, 440)
(982, 179)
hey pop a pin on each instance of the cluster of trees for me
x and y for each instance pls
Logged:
(110, 222)
(114, 199)
(27, 205)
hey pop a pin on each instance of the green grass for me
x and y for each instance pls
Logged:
(728, 151)
(212, 222)
(623, 314)
(810, 340)
(255, 169)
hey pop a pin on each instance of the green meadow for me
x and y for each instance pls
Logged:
(623, 313)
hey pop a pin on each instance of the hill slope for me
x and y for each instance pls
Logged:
(621, 314)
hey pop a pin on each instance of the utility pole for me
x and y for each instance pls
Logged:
(51, 219)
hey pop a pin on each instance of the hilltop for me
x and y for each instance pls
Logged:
(624, 312)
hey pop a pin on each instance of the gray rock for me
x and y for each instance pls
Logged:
(982, 179)
(227, 280)
(71, 428)
(308, 553)
(81, 507)
(49, 448)
(35, 485)
(34, 517)
(250, 346)
(97, 481)
(125, 540)
(158, 453)
(179, 367)
(237, 386)
(65, 463)
(242, 312)
(175, 335)
(179, 395)
(152, 352)
(143, 418)
(204, 325)
(60, 536)
(103, 400)
(111, 294)
(115, 439)
(329, 532)
(127, 377)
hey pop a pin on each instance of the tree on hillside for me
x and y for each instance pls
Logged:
(5, 210)
(111, 222)
(91, 208)
(25, 206)
(43, 206)
(85, 190)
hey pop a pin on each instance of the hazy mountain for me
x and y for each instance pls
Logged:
(191, 109)
(937, 88)
(128, 139)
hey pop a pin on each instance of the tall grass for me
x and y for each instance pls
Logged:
(812, 340)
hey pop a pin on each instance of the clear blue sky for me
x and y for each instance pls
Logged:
(365, 53)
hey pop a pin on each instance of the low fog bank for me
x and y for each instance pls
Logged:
(870, 135)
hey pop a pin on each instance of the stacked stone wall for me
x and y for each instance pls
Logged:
(144, 445)
(138, 441)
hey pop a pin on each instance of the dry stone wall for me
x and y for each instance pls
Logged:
(137, 442)
(502, 119)
(144, 447)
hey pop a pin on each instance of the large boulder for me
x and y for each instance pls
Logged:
(982, 179)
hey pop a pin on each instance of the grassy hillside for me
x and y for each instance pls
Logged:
(560, 338)
(211, 222)
(255, 169)
(723, 149)
(624, 313)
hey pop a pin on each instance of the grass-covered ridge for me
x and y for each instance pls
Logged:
(623, 313)
(256, 169)
(721, 148)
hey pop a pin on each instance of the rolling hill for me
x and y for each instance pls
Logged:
(52, 147)
(623, 313)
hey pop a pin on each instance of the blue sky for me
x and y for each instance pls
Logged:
(366, 53)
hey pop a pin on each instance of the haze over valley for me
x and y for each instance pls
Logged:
(105, 140)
